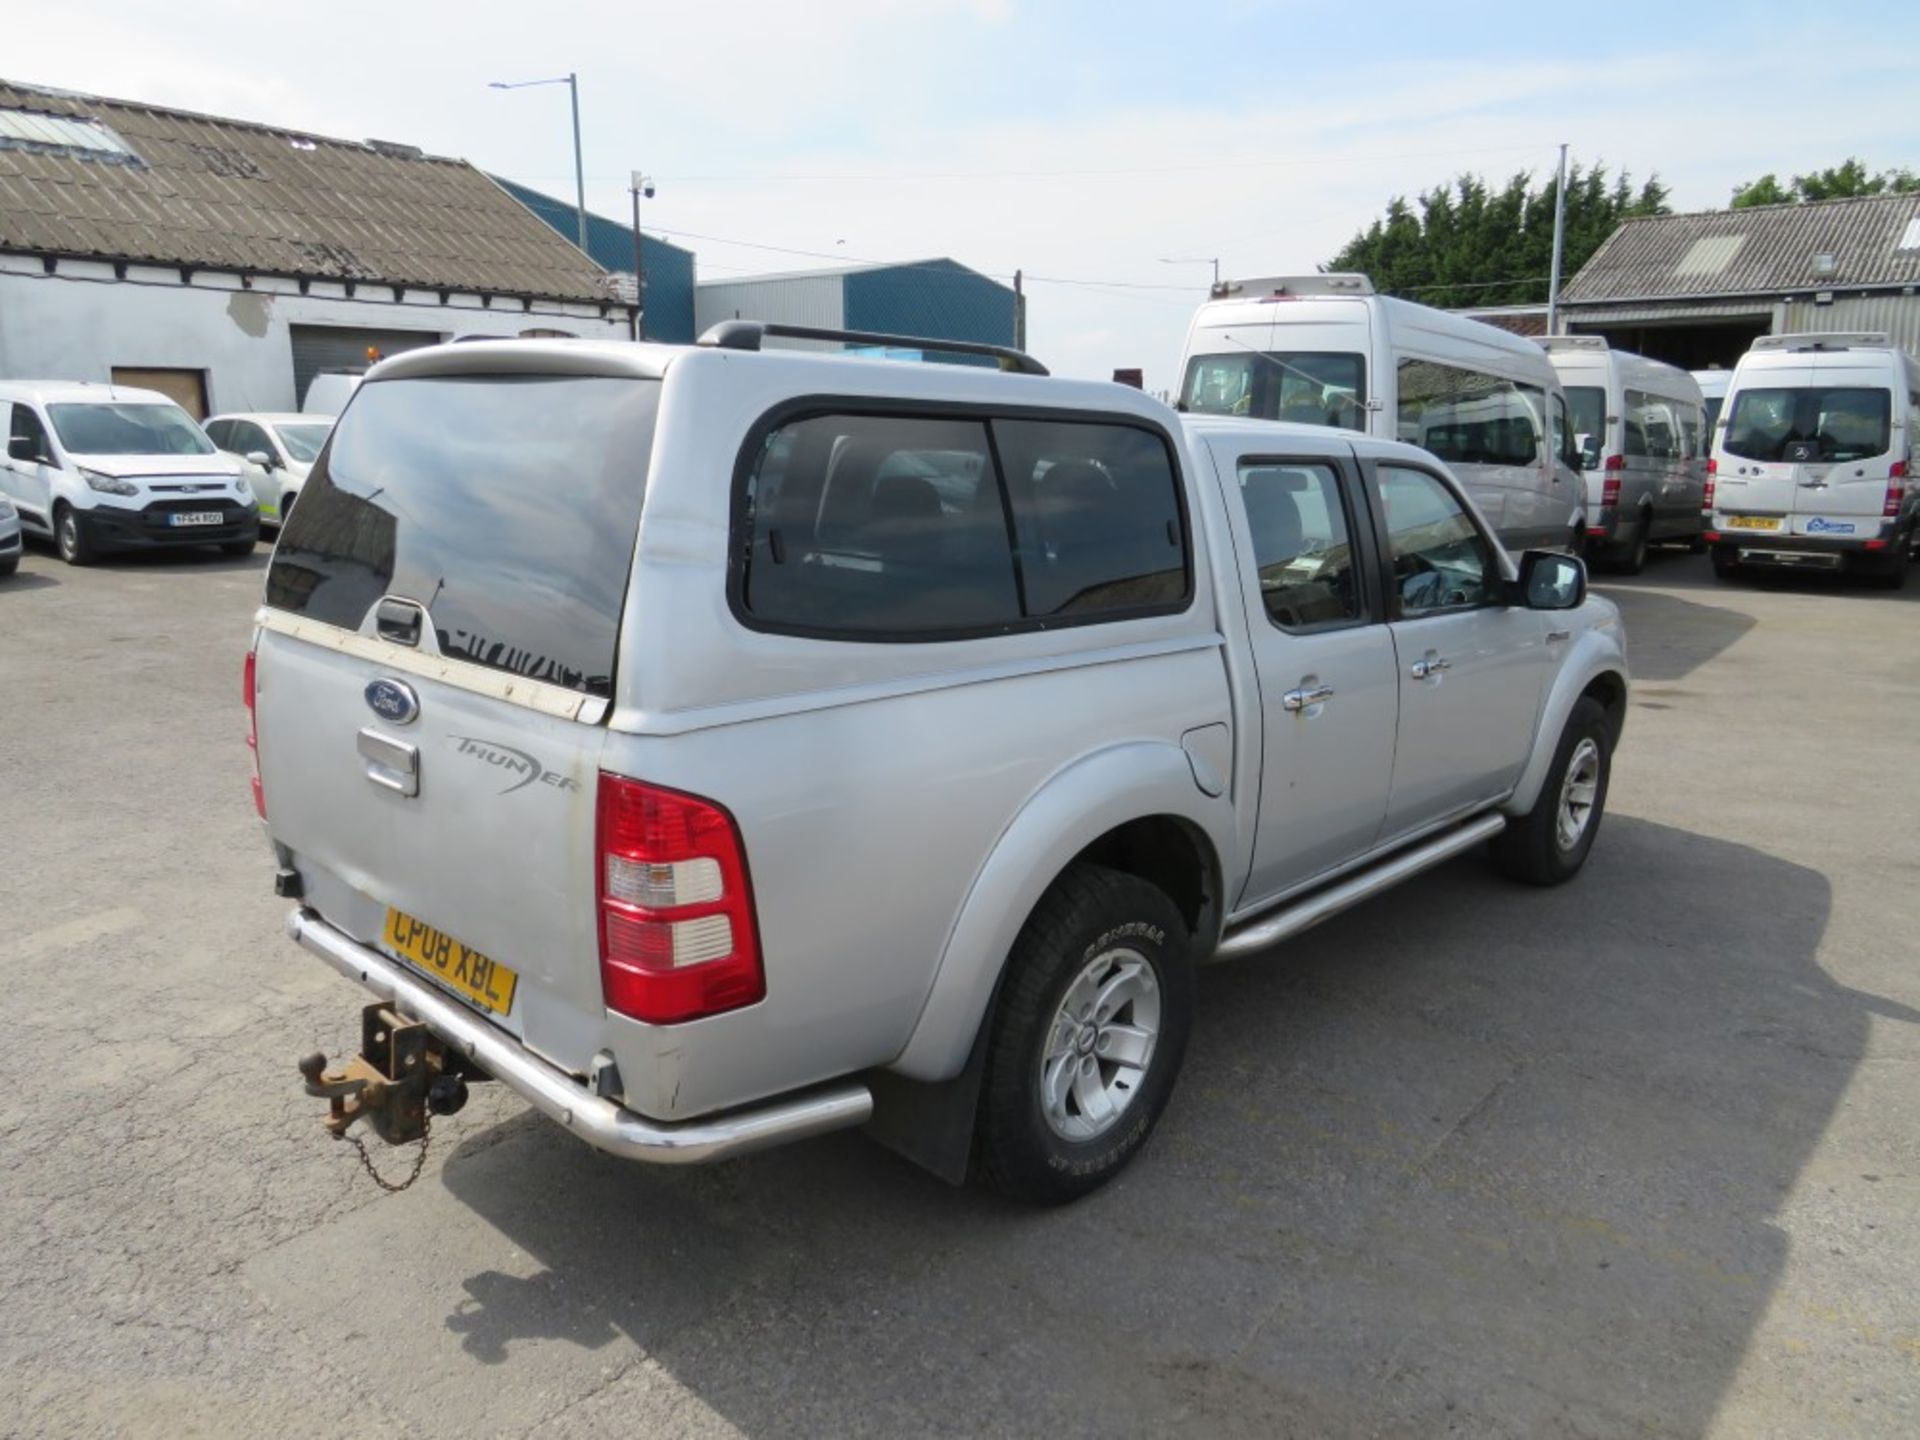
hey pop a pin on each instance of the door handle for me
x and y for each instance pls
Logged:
(391, 764)
(1430, 667)
(1301, 697)
(398, 621)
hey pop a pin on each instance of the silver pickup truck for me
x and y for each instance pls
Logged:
(721, 745)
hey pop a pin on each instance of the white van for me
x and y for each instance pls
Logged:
(1813, 458)
(98, 468)
(1640, 428)
(1713, 392)
(1327, 350)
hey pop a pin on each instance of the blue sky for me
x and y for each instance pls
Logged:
(1074, 140)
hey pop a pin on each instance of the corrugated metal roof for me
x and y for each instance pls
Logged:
(231, 195)
(1770, 248)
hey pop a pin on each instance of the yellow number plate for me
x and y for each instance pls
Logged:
(483, 980)
(1753, 522)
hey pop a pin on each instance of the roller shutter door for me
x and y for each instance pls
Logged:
(341, 347)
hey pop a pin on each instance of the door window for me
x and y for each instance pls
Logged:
(26, 426)
(1440, 559)
(1302, 543)
(1822, 424)
(248, 438)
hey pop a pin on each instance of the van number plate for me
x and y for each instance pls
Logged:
(194, 517)
(1753, 522)
(483, 980)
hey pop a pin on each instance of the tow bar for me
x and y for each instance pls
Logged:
(401, 1074)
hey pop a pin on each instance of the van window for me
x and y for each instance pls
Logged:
(1589, 406)
(1653, 432)
(506, 506)
(1815, 423)
(1310, 388)
(904, 527)
(26, 426)
(103, 428)
(1302, 545)
(1468, 417)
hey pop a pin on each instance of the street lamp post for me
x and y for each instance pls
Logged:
(572, 82)
(642, 185)
(1196, 260)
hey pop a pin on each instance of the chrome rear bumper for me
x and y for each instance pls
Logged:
(598, 1121)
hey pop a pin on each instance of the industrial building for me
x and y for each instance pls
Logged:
(935, 298)
(670, 268)
(226, 262)
(1697, 290)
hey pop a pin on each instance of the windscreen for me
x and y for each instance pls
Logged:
(1312, 388)
(303, 442)
(507, 506)
(1587, 405)
(130, 429)
(1821, 424)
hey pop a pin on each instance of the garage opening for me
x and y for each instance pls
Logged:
(343, 347)
(1690, 344)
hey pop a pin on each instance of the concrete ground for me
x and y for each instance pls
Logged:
(1638, 1156)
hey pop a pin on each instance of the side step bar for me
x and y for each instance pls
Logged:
(1305, 913)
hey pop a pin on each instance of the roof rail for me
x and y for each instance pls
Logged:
(747, 335)
(1571, 342)
(1276, 286)
(1826, 340)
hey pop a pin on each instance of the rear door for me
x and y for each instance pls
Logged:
(436, 656)
(1324, 658)
(1807, 450)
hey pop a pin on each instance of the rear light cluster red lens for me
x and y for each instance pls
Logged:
(248, 686)
(1896, 492)
(677, 934)
(1610, 489)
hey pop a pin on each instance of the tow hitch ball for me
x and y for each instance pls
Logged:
(400, 1074)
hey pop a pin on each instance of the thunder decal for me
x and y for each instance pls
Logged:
(517, 767)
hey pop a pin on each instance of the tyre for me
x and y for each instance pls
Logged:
(1635, 559)
(237, 548)
(1697, 543)
(1549, 843)
(1726, 562)
(1891, 573)
(70, 537)
(1088, 1034)
(9, 565)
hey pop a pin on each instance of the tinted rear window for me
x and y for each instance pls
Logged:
(1309, 388)
(907, 527)
(1817, 424)
(508, 506)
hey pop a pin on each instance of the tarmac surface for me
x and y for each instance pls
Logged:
(1636, 1156)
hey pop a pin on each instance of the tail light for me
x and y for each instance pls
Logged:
(677, 934)
(1896, 492)
(1706, 493)
(248, 686)
(1610, 483)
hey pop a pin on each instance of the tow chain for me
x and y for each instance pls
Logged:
(419, 1161)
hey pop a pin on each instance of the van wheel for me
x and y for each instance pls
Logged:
(1726, 562)
(1087, 1037)
(1549, 843)
(1891, 573)
(1635, 560)
(70, 538)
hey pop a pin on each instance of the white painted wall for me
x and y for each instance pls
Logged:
(80, 322)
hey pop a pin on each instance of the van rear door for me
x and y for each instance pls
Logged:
(1807, 451)
(435, 656)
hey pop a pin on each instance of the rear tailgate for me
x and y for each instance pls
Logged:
(435, 657)
(1807, 452)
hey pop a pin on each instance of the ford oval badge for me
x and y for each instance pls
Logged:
(393, 701)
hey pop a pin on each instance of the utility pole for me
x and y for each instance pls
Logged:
(1559, 245)
(1019, 313)
(641, 185)
(572, 82)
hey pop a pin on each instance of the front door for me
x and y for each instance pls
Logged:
(1324, 658)
(27, 478)
(1470, 666)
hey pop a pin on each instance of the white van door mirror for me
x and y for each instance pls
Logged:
(261, 458)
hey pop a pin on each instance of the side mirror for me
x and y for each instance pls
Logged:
(261, 458)
(19, 447)
(1550, 580)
